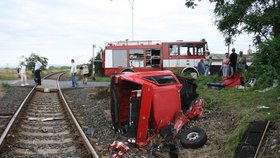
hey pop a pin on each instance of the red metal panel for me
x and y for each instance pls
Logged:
(164, 47)
(166, 102)
(144, 115)
(232, 81)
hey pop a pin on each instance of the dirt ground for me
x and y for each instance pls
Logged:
(91, 106)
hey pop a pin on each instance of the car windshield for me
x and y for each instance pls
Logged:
(164, 79)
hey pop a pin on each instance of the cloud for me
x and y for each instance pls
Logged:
(65, 29)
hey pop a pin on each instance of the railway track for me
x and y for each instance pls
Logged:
(252, 139)
(44, 126)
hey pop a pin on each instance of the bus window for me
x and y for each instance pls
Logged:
(173, 50)
(119, 58)
(199, 50)
(136, 57)
(148, 57)
(153, 57)
(186, 49)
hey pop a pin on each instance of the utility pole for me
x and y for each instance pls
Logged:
(131, 2)
(132, 17)
(93, 66)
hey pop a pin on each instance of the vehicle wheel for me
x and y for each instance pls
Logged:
(190, 73)
(193, 138)
(127, 71)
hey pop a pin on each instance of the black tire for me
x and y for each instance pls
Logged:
(193, 138)
(127, 71)
(191, 73)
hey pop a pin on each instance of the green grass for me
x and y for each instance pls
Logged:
(102, 79)
(4, 86)
(242, 104)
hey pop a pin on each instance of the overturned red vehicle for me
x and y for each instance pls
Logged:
(157, 103)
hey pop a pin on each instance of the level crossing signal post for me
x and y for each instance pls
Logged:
(93, 66)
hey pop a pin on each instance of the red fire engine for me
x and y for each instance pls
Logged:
(138, 56)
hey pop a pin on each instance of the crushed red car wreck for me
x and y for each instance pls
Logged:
(235, 79)
(157, 103)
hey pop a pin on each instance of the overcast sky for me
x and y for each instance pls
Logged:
(64, 29)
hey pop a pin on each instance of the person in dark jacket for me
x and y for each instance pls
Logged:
(37, 70)
(233, 61)
(201, 67)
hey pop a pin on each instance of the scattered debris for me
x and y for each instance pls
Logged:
(251, 83)
(263, 107)
(240, 87)
(119, 145)
(44, 130)
(90, 132)
(274, 85)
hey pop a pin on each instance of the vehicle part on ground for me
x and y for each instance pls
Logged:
(193, 138)
(121, 146)
(146, 104)
(228, 82)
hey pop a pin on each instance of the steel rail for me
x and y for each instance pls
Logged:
(54, 73)
(11, 122)
(77, 125)
(264, 132)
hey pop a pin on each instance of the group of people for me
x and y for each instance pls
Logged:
(231, 63)
(84, 73)
(22, 70)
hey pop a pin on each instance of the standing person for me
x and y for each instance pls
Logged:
(73, 73)
(37, 70)
(201, 67)
(233, 61)
(249, 51)
(225, 65)
(241, 62)
(85, 72)
(208, 63)
(22, 73)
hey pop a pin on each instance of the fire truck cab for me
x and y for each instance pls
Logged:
(139, 56)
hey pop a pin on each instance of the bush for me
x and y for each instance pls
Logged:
(266, 65)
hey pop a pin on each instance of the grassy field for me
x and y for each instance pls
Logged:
(11, 74)
(238, 107)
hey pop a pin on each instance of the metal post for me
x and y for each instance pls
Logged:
(93, 66)
(132, 17)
